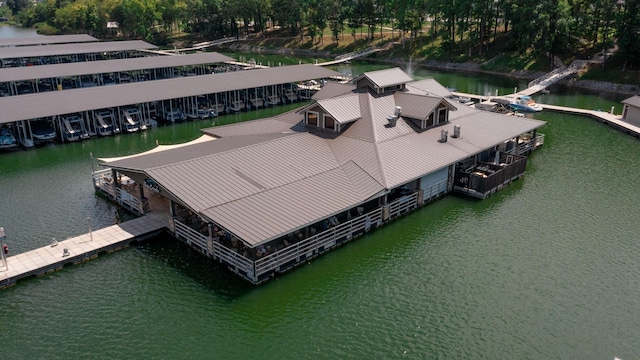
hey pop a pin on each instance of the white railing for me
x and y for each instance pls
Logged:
(403, 205)
(435, 190)
(236, 261)
(528, 146)
(316, 244)
(191, 236)
(129, 201)
(546, 76)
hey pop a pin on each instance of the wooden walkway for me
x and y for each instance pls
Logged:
(81, 248)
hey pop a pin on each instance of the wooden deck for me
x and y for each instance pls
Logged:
(81, 248)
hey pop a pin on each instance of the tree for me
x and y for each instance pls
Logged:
(628, 30)
(18, 5)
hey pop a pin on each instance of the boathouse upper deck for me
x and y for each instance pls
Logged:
(64, 53)
(47, 40)
(33, 79)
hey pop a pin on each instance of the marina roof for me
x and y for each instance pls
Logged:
(33, 106)
(265, 178)
(108, 66)
(71, 49)
(43, 40)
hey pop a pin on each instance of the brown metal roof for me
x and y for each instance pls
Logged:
(71, 49)
(386, 77)
(633, 101)
(108, 66)
(333, 89)
(416, 106)
(42, 40)
(428, 87)
(263, 190)
(344, 109)
(33, 106)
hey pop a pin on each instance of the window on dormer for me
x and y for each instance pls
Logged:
(329, 122)
(312, 118)
(442, 115)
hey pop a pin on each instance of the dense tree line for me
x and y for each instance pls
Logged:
(546, 26)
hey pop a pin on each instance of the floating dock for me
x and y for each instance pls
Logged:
(79, 249)
(604, 117)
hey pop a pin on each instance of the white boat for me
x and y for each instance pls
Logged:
(74, 128)
(7, 140)
(132, 117)
(525, 103)
(106, 121)
(237, 105)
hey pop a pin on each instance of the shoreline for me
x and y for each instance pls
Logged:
(591, 85)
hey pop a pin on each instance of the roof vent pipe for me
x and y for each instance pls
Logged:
(456, 131)
(392, 120)
(398, 111)
(443, 136)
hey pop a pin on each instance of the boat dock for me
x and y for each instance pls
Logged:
(604, 117)
(79, 249)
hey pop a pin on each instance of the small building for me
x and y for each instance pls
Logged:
(631, 111)
(265, 196)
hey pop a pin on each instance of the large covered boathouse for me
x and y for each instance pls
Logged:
(264, 196)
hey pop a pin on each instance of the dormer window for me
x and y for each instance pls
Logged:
(329, 122)
(442, 115)
(312, 118)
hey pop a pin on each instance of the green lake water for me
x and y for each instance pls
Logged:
(545, 269)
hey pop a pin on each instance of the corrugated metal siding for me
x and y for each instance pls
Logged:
(51, 39)
(362, 153)
(32, 106)
(344, 109)
(333, 89)
(428, 86)
(108, 66)
(219, 178)
(387, 77)
(71, 49)
(416, 106)
(276, 212)
(153, 160)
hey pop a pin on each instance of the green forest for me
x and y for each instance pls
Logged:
(473, 27)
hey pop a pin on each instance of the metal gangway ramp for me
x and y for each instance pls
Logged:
(554, 76)
(352, 55)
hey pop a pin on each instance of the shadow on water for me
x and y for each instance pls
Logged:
(186, 261)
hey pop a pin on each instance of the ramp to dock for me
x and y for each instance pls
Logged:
(81, 248)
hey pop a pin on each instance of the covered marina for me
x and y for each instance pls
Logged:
(46, 40)
(35, 79)
(72, 53)
(78, 114)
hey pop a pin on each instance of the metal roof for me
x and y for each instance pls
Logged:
(416, 106)
(428, 87)
(71, 49)
(386, 77)
(263, 188)
(42, 40)
(633, 101)
(108, 66)
(333, 89)
(344, 109)
(33, 106)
